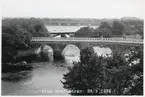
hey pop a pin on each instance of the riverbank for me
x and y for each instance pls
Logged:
(15, 67)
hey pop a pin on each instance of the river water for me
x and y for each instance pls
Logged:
(65, 28)
(44, 79)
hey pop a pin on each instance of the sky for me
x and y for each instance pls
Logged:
(73, 8)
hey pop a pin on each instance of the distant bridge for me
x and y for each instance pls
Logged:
(89, 40)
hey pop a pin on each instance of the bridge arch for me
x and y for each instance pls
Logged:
(71, 53)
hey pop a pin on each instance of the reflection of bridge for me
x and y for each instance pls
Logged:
(89, 40)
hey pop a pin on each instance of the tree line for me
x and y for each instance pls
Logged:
(115, 28)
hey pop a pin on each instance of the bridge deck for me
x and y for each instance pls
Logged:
(95, 40)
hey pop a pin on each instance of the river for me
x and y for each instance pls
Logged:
(65, 28)
(44, 79)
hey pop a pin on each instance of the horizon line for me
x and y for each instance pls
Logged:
(75, 17)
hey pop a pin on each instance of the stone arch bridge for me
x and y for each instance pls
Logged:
(87, 41)
(58, 44)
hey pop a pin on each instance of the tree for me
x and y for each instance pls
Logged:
(127, 31)
(135, 59)
(95, 75)
(82, 76)
(105, 25)
(105, 32)
(133, 27)
(84, 32)
(14, 37)
(17, 33)
(118, 28)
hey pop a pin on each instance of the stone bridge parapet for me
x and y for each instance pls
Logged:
(90, 40)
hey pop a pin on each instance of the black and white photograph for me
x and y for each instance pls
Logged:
(72, 47)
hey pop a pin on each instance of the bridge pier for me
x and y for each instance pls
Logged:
(57, 48)
(46, 53)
